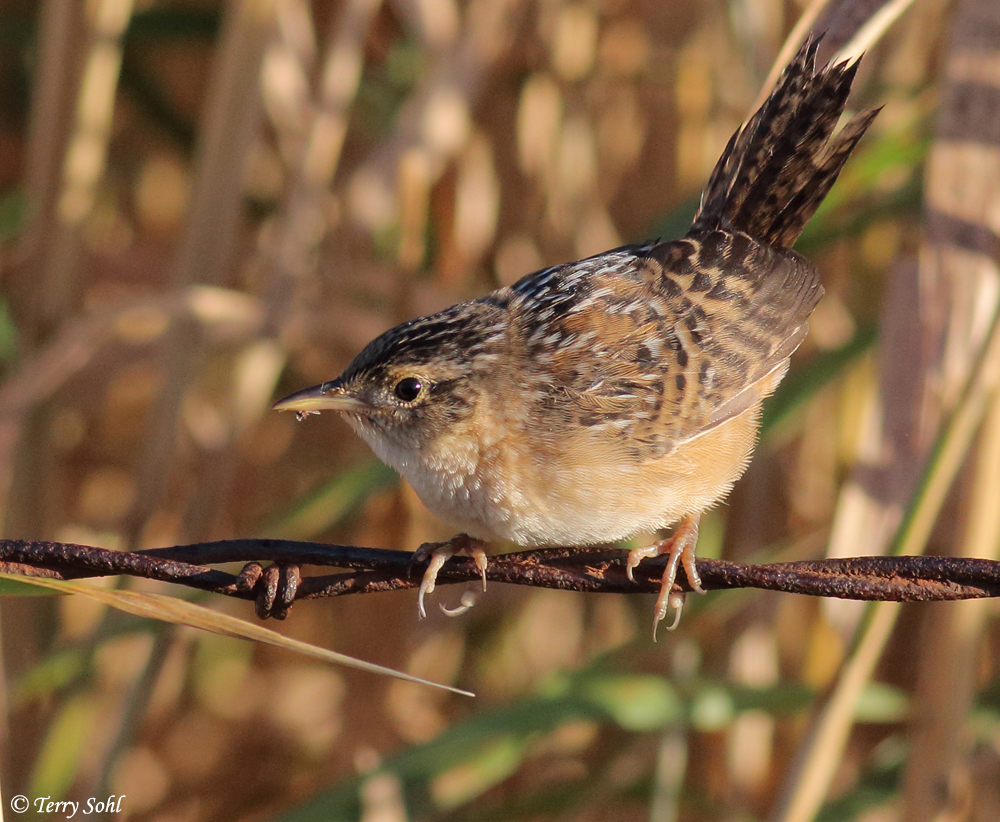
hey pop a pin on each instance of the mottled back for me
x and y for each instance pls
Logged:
(695, 326)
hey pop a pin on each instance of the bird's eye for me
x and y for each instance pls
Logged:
(408, 389)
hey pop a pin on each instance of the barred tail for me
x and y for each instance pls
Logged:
(777, 169)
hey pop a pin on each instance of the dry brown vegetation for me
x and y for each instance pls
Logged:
(204, 205)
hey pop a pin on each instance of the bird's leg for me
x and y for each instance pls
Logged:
(439, 553)
(679, 549)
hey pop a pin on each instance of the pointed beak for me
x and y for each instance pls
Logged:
(329, 395)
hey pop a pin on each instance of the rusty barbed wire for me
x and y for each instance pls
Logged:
(276, 587)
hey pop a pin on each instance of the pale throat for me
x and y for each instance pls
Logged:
(459, 475)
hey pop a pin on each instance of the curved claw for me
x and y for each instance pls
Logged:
(632, 561)
(467, 602)
(438, 558)
(482, 563)
(676, 601)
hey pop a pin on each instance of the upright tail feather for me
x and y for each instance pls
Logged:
(777, 169)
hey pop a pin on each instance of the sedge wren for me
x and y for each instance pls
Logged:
(620, 394)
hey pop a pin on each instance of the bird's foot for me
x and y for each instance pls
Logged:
(439, 553)
(679, 549)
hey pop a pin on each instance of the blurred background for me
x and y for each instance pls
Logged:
(205, 205)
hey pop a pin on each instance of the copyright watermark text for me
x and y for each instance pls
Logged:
(46, 804)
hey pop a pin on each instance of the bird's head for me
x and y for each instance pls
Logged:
(414, 383)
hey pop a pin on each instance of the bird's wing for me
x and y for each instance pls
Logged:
(656, 345)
